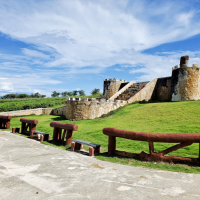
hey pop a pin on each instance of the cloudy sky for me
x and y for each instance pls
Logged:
(67, 45)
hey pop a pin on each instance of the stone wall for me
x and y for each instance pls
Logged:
(146, 93)
(186, 83)
(37, 111)
(125, 87)
(84, 109)
(74, 109)
(59, 111)
(162, 89)
(111, 86)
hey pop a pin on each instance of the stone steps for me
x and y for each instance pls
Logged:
(131, 91)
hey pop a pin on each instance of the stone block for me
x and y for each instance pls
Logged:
(85, 99)
(93, 99)
(102, 100)
(111, 101)
(184, 65)
(118, 101)
(195, 66)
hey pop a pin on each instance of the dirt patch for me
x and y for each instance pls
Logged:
(97, 166)
(143, 177)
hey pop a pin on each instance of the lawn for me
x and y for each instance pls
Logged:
(23, 104)
(161, 117)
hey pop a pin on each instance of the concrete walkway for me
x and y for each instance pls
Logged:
(30, 170)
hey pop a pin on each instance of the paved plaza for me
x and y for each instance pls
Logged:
(31, 170)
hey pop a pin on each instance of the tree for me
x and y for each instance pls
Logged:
(22, 96)
(81, 93)
(32, 96)
(75, 93)
(64, 94)
(55, 94)
(9, 96)
(37, 95)
(69, 94)
(95, 91)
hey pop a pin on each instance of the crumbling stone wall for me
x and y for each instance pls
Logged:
(84, 109)
(162, 89)
(59, 111)
(36, 111)
(80, 110)
(111, 86)
(186, 83)
(76, 109)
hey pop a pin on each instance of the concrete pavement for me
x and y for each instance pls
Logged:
(31, 170)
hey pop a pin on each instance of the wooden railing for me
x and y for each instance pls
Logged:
(184, 139)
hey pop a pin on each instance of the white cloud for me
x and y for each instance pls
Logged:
(90, 30)
(86, 37)
(33, 53)
(185, 18)
(119, 70)
(6, 86)
(77, 89)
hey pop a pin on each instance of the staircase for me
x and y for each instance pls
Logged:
(131, 91)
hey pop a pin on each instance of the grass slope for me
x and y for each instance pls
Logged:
(161, 117)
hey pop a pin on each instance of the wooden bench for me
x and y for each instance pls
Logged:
(93, 148)
(59, 136)
(15, 130)
(5, 121)
(42, 136)
(184, 140)
(28, 126)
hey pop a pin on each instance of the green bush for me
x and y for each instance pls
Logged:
(12, 105)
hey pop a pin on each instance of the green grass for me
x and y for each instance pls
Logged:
(160, 117)
(57, 106)
(23, 104)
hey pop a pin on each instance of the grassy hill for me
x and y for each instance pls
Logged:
(161, 117)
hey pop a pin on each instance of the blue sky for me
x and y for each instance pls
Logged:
(66, 45)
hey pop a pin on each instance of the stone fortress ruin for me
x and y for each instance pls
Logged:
(184, 84)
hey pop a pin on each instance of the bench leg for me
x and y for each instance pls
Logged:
(41, 138)
(8, 124)
(17, 130)
(91, 151)
(13, 130)
(76, 146)
(1, 123)
(111, 145)
(31, 134)
(55, 134)
(97, 150)
(72, 146)
(69, 137)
